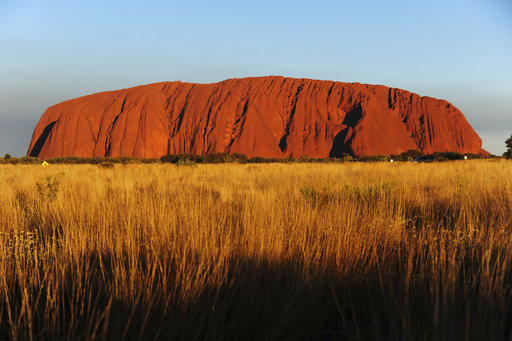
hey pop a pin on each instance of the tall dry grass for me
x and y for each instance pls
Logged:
(274, 251)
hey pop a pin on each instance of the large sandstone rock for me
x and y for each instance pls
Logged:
(265, 116)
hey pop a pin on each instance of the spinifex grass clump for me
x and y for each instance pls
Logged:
(246, 251)
(48, 187)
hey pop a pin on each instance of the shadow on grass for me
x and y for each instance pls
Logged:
(257, 300)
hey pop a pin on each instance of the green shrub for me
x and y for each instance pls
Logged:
(149, 160)
(48, 187)
(169, 158)
(222, 158)
(13, 161)
(218, 158)
(121, 159)
(508, 153)
(107, 164)
(374, 158)
(409, 155)
(97, 160)
(310, 193)
(444, 156)
(185, 162)
(174, 158)
(240, 158)
(256, 159)
(68, 160)
(333, 160)
(30, 160)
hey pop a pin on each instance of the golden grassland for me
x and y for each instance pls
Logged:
(271, 251)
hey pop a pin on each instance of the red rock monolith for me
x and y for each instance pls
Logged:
(264, 116)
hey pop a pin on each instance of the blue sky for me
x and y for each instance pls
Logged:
(457, 50)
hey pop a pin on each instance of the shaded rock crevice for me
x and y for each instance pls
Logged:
(238, 125)
(342, 142)
(41, 140)
(283, 143)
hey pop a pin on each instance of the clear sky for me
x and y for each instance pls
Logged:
(458, 50)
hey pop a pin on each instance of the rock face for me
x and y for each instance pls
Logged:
(264, 116)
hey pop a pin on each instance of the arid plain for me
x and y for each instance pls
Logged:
(248, 251)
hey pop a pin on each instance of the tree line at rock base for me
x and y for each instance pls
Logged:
(190, 159)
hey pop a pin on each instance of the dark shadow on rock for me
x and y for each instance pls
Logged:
(342, 145)
(36, 150)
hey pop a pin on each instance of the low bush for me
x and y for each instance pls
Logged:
(409, 155)
(239, 157)
(219, 158)
(374, 158)
(188, 163)
(107, 164)
(444, 156)
(30, 160)
(257, 159)
(174, 158)
(12, 161)
(48, 188)
(68, 160)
